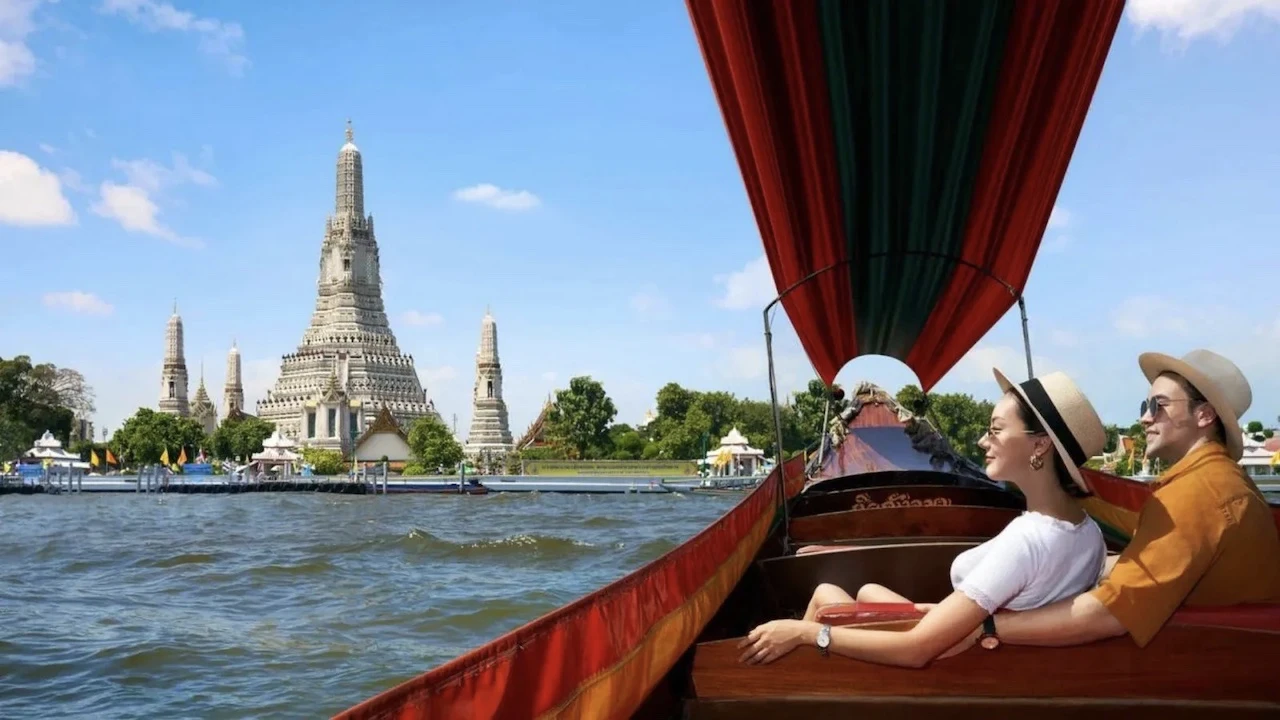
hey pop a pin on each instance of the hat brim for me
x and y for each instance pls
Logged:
(1154, 364)
(1072, 470)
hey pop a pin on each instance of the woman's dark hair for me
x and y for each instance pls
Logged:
(1197, 399)
(1034, 425)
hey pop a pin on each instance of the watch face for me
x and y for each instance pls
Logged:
(824, 637)
(989, 642)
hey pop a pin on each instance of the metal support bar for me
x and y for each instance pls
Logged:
(768, 342)
(1026, 335)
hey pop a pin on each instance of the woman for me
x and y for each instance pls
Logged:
(1041, 432)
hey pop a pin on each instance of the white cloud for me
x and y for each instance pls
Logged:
(134, 210)
(153, 177)
(1063, 338)
(1189, 19)
(223, 41)
(648, 303)
(133, 204)
(1056, 244)
(73, 181)
(700, 340)
(78, 302)
(48, 149)
(1059, 218)
(16, 59)
(31, 195)
(1143, 316)
(441, 374)
(498, 198)
(750, 288)
(421, 319)
(975, 367)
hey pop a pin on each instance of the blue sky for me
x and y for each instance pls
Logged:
(152, 152)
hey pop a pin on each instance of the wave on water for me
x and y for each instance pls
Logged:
(521, 547)
(183, 559)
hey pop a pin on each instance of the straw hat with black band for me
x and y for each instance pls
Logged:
(1067, 417)
(1218, 380)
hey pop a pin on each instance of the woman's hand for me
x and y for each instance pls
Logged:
(772, 640)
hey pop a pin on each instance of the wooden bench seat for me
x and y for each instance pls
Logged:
(1183, 663)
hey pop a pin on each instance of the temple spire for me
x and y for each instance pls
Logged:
(349, 198)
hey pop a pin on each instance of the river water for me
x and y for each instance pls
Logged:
(290, 605)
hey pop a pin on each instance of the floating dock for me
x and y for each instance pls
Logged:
(152, 481)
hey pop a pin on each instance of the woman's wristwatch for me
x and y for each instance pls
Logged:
(988, 639)
(824, 639)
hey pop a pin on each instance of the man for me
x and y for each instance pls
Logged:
(1205, 536)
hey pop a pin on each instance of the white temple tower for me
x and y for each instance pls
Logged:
(233, 388)
(173, 376)
(490, 432)
(348, 365)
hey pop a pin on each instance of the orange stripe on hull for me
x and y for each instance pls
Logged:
(626, 684)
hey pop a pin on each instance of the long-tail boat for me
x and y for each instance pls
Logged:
(902, 159)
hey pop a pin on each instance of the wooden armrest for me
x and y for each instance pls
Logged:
(856, 613)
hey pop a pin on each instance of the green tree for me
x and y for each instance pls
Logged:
(683, 441)
(144, 437)
(626, 442)
(30, 405)
(1254, 428)
(432, 443)
(580, 417)
(810, 407)
(324, 462)
(240, 436)
(962, 420)
(754, 419)
(914, 400)
(674, 402)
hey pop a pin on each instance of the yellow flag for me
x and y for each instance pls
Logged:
(93, 458)
(182, 456)
(164, 457)
(111, 459)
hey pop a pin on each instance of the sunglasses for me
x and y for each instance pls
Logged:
(1155, 405)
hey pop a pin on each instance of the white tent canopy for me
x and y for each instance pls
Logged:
(49, 448)
(735, 456)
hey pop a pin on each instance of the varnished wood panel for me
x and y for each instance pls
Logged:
(946, 520)
(899, 708)
(1181, 663)
(867, 498)
(920, 571)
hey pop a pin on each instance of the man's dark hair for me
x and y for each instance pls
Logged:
(1198, 399)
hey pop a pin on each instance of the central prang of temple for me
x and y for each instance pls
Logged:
(348, 366)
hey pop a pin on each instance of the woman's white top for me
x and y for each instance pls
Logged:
(1036, 560)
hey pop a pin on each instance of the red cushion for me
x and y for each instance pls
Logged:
(863, 612)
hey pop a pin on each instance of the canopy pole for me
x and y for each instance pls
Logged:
(779, 454)
(1026, 335)
(822, 431)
